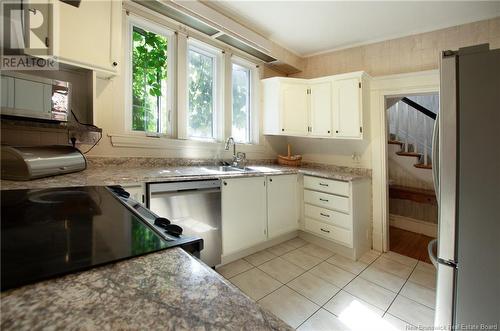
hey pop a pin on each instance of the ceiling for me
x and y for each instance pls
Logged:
(311, 27)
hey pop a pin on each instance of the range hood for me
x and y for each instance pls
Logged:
(204, 19)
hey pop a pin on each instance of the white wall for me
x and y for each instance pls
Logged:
(334, 151)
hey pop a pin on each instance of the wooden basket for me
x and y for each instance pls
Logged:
(290, 160)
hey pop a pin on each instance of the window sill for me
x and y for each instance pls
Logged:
(164, 142)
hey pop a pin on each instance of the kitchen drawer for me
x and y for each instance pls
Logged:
(326, 200)
(330, 231)
(329, 216)
(326, 185)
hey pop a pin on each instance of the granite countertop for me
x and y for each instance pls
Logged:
(122, 173)
(165, 290)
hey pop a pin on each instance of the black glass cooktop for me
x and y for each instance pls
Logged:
(51, 232)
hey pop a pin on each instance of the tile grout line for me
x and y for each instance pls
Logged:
(253, 266)
(305, 271)
(397, 294)
(340, 289)
(285, 284)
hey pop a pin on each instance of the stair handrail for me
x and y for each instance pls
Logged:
(419, 107)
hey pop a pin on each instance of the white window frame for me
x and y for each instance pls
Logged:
(254, 117)
(145, 24)
(218, 109)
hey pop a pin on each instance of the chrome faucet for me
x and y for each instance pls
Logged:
(239, 159)
(230, 141)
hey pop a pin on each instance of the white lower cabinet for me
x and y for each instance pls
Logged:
(339, 211)
(282, 211)
(244, 221)
(255, 209)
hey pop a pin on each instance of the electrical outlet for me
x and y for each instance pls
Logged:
(355, 157)
(88, 138)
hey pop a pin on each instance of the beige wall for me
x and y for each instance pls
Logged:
(403, 55)
(408, 54)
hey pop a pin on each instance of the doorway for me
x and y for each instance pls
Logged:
(412, 203)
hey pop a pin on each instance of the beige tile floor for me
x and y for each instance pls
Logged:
(311, 288)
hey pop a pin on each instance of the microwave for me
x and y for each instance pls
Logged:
(35, 97)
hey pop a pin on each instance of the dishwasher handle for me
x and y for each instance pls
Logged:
(184, 186)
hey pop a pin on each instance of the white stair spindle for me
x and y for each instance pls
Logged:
(426, 161)
(396, 119)
(407, 140)
(415, 130)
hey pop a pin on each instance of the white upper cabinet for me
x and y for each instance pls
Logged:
(285, 102)
(89, 36)
(320, 95)
(294, 108)
(326, 107)
(346, 108)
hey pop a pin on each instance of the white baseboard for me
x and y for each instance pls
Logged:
(228, 258)
(413, 225)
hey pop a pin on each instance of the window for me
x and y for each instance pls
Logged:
(202, 97)
(241, 117)
(150, 81)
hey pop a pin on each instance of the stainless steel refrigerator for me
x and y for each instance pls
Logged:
(468, 186)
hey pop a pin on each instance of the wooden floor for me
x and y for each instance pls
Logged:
(409, 243)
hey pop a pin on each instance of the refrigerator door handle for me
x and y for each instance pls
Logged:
(435, 157)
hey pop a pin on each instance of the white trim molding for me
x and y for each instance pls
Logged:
(382, 87)
(413, 225)
(189, 148)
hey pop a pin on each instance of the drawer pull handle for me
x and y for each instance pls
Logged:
(326, 215)
(323, 184)
(324, 230)
(321, 199)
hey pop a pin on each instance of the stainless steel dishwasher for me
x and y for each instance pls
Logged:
(196, 207)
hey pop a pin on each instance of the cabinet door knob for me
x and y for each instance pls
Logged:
(328, 131)
(115, 64)
(270, 179)
(336, 131)
(225, 183)
(282, 129)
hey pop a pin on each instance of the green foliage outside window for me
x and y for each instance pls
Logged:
(201, 71)
(149, 63)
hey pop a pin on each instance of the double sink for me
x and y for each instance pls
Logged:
(235, 169)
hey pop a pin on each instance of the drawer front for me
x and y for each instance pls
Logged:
(329, 216)
(326, 185)
(340, 235)
(326, 200)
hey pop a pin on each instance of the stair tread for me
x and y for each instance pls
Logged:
(412, 193)
(395, 142)
(403, 153)
(423, 166)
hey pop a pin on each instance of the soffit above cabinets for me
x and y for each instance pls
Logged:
(199, 17)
